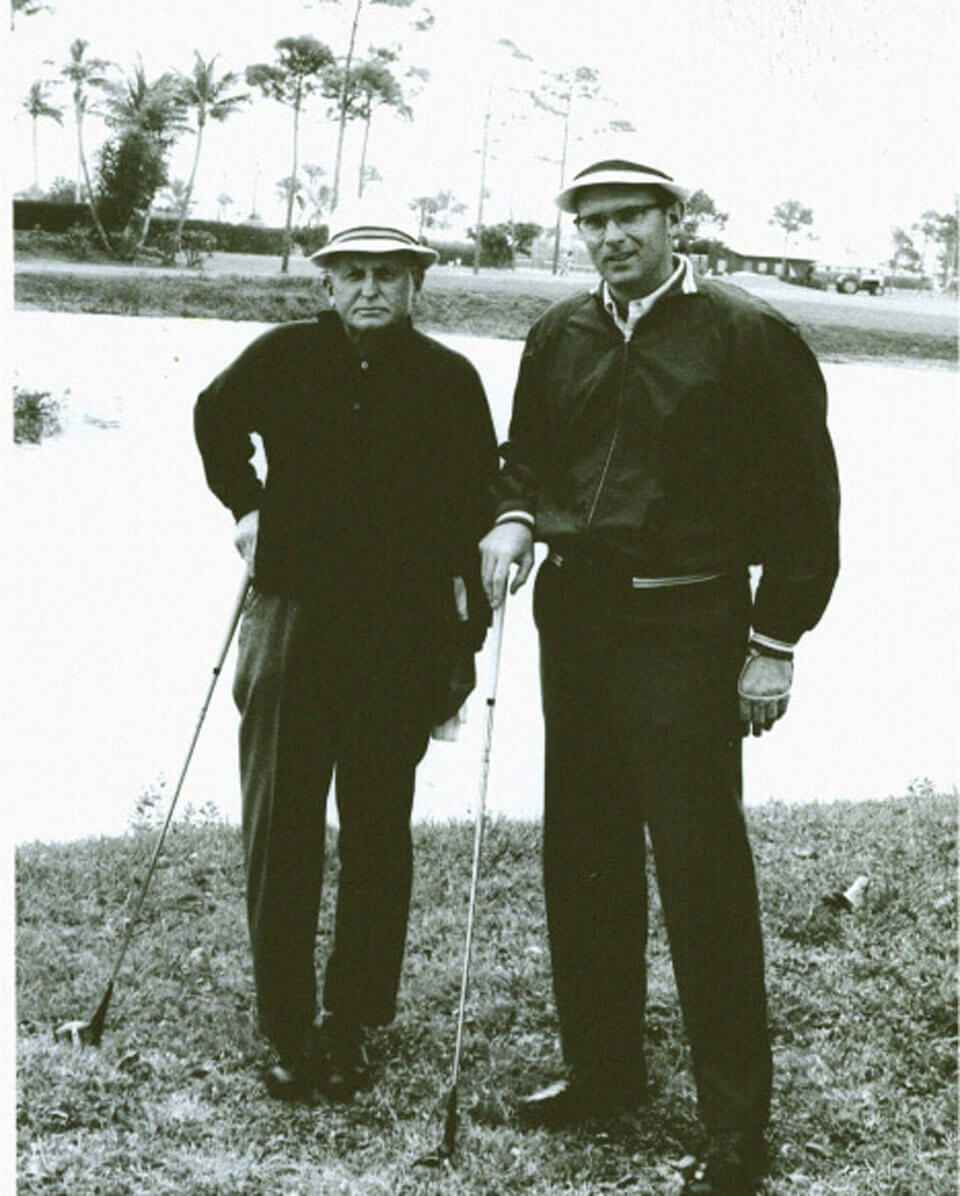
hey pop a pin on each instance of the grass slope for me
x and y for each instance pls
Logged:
(486, 305)
(863, 1012)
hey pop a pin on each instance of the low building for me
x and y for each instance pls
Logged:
(713, 257)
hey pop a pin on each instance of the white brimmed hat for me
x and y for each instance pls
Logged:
(618, 170)
(372, 228)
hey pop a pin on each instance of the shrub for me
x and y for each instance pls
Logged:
(125, 245)
(197, 246)
(79, 242)
(165, 246)
(130, 172)
(496, 245)
(36, 414)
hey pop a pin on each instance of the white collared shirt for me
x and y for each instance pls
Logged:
(637, 308)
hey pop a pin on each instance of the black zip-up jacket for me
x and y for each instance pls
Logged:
(378, 467)
(700, 446)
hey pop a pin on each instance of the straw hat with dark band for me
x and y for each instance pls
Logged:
(618, 170)
(358, 233)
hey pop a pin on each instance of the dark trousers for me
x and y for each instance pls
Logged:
(315, 697)
(639, 698)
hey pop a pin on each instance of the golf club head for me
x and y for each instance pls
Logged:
(849, 899)
(75, 1033)
(442, 1155)
(439, 1157)
(86, 1033)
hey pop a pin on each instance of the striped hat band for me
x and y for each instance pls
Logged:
(372, 238)
(620, 172)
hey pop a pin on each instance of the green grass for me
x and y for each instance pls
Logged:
(863, 1011)
(495, 304)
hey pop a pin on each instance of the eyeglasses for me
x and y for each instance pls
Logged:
(594, 226)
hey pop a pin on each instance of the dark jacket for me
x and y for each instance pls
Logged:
(699, 446)
(378, 470)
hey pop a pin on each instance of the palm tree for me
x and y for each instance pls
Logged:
(224, 203)
(208, 97)
(26, 8)
(345, 77)
(297, 73)
(37, 106)
(147, 117)
(376, 86)
(83, 74)
(154, 109)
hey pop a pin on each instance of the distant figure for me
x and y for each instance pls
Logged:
(359, 632)
(566, 262)
(667, 432)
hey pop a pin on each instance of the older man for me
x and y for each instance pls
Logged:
(366, 599)
(667, 433)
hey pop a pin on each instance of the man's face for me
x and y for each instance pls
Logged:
(371, 292)
(628, 234)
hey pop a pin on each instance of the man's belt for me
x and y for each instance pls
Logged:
(638, 583)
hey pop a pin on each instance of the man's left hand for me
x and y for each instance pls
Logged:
(764, 692)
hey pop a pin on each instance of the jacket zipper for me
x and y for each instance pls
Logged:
(613, 439)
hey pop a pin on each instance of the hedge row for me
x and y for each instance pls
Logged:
(52, 217)
(451, 251)
(48, 216)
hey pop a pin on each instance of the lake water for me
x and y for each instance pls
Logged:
(120, 575)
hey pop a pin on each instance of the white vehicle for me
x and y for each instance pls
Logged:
(860, 278)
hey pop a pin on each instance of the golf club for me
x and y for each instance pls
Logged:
(444, 1151)
(89, 1033)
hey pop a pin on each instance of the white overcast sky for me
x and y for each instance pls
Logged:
(846, 105)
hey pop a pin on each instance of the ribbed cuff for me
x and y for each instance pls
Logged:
(518, 516)
(766, 645)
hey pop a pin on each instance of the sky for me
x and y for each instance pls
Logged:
(846, 105)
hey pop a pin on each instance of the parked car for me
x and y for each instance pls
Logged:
(863, 278)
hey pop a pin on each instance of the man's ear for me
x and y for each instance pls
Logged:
(675, 215)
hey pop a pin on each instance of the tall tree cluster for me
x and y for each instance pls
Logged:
(313, 79)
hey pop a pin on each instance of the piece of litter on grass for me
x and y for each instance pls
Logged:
(849, 899)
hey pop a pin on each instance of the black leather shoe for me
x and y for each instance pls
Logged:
(339, 1057)
(569, 1102)
(726, 1167)
(290, 1080)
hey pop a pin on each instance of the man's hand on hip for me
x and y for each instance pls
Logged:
(245, 537)
(505, 545)
(764, 692)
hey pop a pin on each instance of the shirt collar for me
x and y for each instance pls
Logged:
(682, 280)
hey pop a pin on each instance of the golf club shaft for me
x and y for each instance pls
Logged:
(228, 639)
(497, 638)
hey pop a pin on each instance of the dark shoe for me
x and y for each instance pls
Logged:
(569, 1102)
(339, 1057)
(290, 1080)
(727, 1167)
